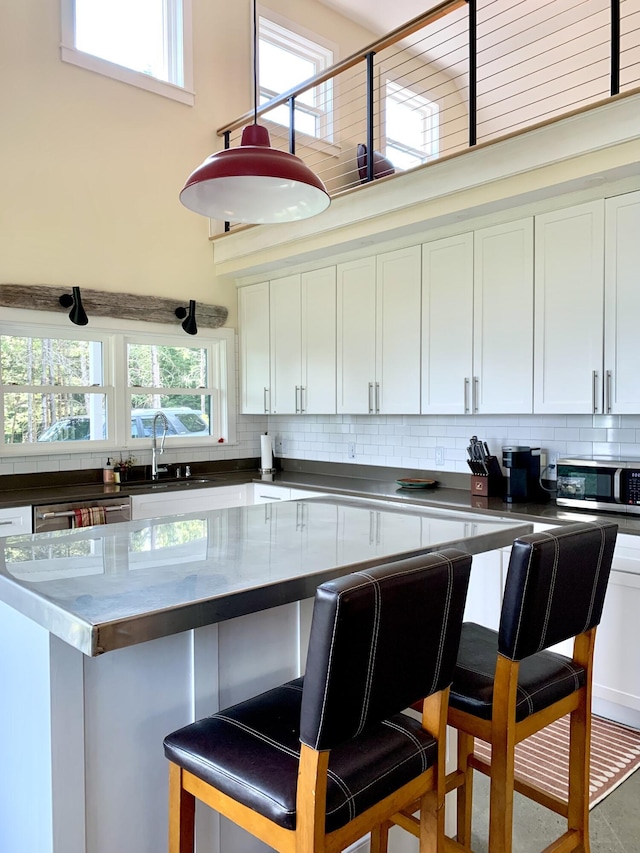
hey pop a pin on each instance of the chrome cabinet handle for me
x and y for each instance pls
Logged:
(370, 398)
(607, 392)
(466, 395)
(6, 522)
(303, 404)
(474, 399)
(594, 391)
(264, 400)
(377, 397)
(297, 406)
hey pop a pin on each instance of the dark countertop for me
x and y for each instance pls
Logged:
(378, 482)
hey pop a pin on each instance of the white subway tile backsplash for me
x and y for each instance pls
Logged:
(410, 440)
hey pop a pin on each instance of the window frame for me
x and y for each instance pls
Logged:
(285, 36)
(114, 336)
(179, 51)
(431, 115)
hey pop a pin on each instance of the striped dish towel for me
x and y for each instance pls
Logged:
(88, 516)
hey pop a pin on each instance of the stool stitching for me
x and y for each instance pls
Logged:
(596, 580)
(552, 589)
(443, 626)
(373, 648)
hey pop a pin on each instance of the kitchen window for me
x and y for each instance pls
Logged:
(286, 58)
(100, 386)
(146, 43)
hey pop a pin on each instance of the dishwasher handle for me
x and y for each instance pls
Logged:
(70, 512)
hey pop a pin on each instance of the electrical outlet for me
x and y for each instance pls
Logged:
(351, 450)
(285, 446)
(277, 445)
(439, 455)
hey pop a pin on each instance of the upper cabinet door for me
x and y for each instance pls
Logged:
(503, 319)
(253, 316)
(318, 381)
(286, 345)
(397, 389)
(356, 342)
(622, 304)
(569, 306)
(447, 325)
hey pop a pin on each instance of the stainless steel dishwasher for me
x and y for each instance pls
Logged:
(65, 516)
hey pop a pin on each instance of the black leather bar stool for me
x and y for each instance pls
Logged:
(506, 686)
(318, 762)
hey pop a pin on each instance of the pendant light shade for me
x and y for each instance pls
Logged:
(255, 183)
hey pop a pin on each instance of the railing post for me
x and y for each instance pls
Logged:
(227, 144)
(370, 116)
(473, 75)
(292, 125)
(615, 47)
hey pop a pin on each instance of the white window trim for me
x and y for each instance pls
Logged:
(420, 102)
(113, 334)
(291, 37)
(69, 53)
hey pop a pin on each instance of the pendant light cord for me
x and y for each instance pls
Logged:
(255, 63)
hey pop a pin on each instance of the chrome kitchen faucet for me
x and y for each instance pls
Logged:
(155, 470)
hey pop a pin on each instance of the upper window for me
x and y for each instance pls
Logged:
(99, 388)
(142, 42)
(286, 59)
(411, 127)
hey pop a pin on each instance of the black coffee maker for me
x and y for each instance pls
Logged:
(522, 465)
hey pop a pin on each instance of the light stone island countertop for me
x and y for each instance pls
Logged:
(108, 587)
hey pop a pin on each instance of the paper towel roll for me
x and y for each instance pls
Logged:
(266, 452)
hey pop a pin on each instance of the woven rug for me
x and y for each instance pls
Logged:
(543, 758)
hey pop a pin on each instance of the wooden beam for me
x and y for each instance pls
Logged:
(121, 306)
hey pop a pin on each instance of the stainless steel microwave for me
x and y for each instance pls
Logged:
(603, 483)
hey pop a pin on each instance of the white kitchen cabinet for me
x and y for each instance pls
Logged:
(155, 504)
(447, 325)
(622, 304)
(503, 319)
(302, 310)
(616, 672)
(378, 334)
(253, 317)
(569, 303)
(15, 520)
(268, 492)
(477, 323)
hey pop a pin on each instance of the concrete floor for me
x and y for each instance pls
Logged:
(615, 822)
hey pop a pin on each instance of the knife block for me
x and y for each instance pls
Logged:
(489, 485)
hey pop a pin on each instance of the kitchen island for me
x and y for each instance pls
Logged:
(113, 636)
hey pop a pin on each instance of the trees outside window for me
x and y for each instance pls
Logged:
(104, 389)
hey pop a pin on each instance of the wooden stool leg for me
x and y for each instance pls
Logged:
(182, 810)
(465, 791)
(503, 756)
(579, 761)
(380, 837)
(431, 824)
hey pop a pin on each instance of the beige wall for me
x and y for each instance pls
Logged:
(91, 168)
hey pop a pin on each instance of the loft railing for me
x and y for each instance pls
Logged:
(463, 73)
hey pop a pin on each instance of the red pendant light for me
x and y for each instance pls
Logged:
(255, 183)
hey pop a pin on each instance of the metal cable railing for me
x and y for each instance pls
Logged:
(466, 72)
